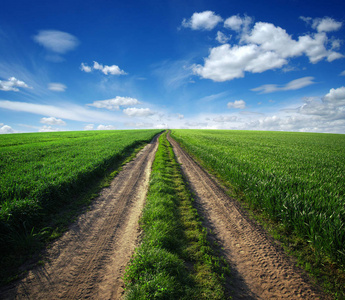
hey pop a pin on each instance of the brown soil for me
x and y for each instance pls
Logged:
(88, 261)
(260, 269)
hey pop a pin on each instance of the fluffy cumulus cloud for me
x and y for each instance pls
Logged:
(206, 20)
(112, 70)
(228, 62)
(56, 41)
(240, 104)
(12, 84)
(325, 24)
(292, 85)
(138, 112)
(52, 121)
(330, 109)
(4, 129)
(57, 87)
(115, 103)
(236, 23)
(265, 46)
(335, 97)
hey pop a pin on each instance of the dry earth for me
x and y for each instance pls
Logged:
(260, 269)
(88, 261)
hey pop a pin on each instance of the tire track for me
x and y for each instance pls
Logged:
(88, 261)
(260, 270)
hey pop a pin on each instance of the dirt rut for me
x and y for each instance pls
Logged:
(260, 270)
(87, 262)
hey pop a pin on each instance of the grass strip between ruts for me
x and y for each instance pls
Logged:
(175, 259)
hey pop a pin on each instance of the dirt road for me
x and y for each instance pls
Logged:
(87, 262)
(260, 269)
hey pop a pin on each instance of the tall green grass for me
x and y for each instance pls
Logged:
(174, 260)
(297, 179)
(42, 172)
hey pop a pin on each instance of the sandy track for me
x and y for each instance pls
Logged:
(260, 270)
(87, 262)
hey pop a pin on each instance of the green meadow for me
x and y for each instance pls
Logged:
(40, 173)
(296, 179)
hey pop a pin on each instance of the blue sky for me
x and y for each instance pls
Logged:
(96, 65)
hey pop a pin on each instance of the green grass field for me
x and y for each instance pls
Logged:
(42, 172)
(297, 179)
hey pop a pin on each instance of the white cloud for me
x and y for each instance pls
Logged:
(335, 96)
(85, 68)
(237, 23)
(106, 127)
(206, 20)
(261, 48)
(115, 103)
(240, 104)
(89, 127)
(326, 24)
(180, 117)
(113, 70)
(272, 38)
(12, 84)
(342, 73)
(226, 62)
(292, 85)
(57, 87)
(56, 41)
(329, 109)
(138, 112)
(6, 129)
(46, 128)
(52, 121)
(222, 38)
(69, 111)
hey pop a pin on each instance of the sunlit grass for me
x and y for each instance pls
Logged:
(297, 179)
(42, 173)
(174, 260)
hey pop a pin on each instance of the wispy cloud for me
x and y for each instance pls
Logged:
(57, 87)
(56, 41)
(69, 112)
(292, 85)
(138, 112)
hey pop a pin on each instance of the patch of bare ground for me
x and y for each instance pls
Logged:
(88, 261)
(260, 269)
